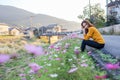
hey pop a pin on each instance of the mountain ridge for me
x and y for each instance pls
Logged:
(19, 17)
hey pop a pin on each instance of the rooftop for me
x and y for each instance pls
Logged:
(113, 3)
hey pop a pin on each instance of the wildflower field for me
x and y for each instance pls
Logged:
(33, 60)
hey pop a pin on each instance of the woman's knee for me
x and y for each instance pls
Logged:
(101, 46)
(84, 41)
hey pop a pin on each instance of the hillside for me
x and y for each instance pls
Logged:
(18, 17)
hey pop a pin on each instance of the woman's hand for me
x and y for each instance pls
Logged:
(83, 31)
(81, 38)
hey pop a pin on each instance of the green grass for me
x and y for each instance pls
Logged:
(68, 60)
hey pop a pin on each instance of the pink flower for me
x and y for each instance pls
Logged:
(4, 58)
(89, 53)
(112, 66)
(51, 46)
(57, 48)
(35, 50)
(64, 51)
(72, 70)
(58, 59)
(84, 65)
(97, 64)
(67, 45)
(50, 58)
(22, 75)
(74, 35)
(23, 79)
(35, 67)
(101, 77)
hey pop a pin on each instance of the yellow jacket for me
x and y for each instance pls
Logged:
(95, 35)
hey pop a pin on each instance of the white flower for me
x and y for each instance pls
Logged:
(56, 55)
(69, 60)
(76, 47)
(58, 68)
(83, 57)
(49, 64)
(53, 75)
(73, 65)
(62, 63)
(75, 57)
(83, 61)
(92, 67)
(58, 44)
(45, 62)
(31, 72)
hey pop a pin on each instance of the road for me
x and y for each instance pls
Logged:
(112, 44)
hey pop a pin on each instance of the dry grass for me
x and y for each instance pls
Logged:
(14, 44)
(7, 38)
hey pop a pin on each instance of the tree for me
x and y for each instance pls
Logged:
(112, 20)
(97, 15)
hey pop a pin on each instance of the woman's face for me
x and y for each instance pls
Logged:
(85, 25)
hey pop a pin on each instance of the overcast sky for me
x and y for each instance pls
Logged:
(64, 9)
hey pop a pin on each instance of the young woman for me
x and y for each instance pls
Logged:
(90, 31)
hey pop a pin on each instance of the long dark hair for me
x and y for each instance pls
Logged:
(88, 23)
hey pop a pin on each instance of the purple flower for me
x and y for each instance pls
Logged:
(4, 58)
(118, 63)
(35, 50)
(35, 67)
(76, 51)
(112, 66)
(72, 70)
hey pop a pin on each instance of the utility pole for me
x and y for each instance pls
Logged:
(106, 10)
(31, 21)
(89, 9)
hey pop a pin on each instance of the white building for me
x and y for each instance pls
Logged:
(114, 9)
(4, 29)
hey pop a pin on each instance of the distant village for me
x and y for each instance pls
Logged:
(29, 31)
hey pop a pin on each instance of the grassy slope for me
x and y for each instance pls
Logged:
(50, 64)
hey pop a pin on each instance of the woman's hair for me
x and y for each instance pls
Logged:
(88, 23)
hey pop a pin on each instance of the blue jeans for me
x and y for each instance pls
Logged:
(91, 43)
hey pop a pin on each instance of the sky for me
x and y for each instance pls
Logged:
(64, 9)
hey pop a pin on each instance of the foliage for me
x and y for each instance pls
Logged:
(96, 16)
(108, 58)
(111, 20)
(111, 63)
(59, 62)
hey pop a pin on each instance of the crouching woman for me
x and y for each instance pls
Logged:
(89, 31)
